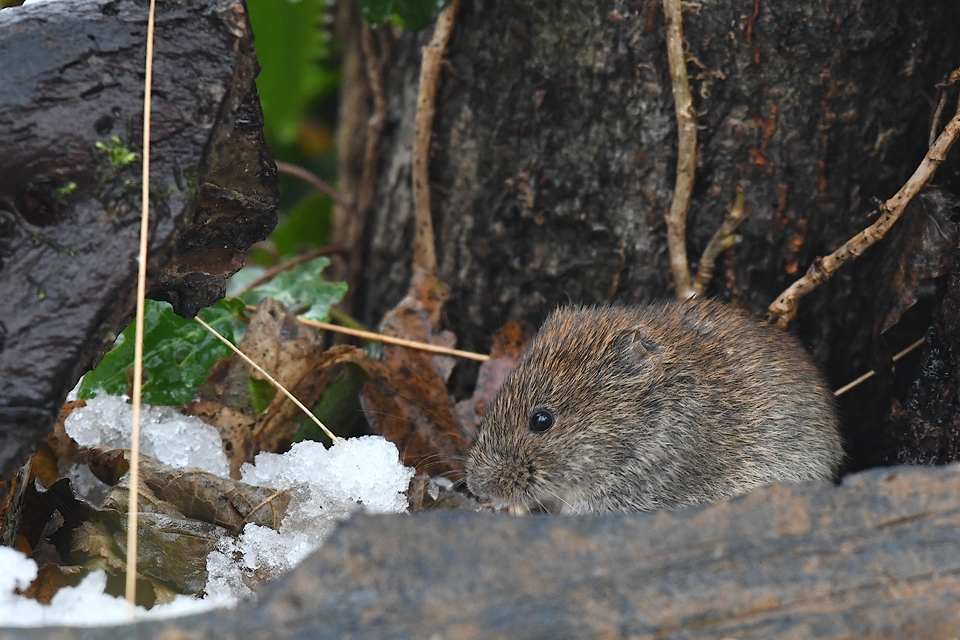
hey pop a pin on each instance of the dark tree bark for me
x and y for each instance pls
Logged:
(553, 160)
(71, 75)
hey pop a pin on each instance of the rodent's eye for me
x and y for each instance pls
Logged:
(541, 420)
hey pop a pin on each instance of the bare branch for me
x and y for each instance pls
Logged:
(722, 240)
(316, 182)
(784, 308)
(425, 254)
(676, 218)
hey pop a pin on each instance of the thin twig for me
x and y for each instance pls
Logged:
(952, 78)
(130, 590)
(272, 273)
(274, 496)
(722, 240)
(316, 182)
(424, 251)
(869, 374)
(271, 379)
(784, 308)
(379, 337)
(937, 113)
(400, 342)
(676, 218)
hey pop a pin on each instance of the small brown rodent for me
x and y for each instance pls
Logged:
(656, 407)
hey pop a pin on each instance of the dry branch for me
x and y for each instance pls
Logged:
(722, 240)
(676, 218)
(425, 256)
(400, 342)
(317, 183)
(784, 308)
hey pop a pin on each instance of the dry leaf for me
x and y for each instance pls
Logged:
(194, 494)
(506, 348)
(920, 252)
(288, 351)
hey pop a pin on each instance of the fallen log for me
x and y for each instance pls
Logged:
(877, 557)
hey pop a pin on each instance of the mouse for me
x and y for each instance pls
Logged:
(660, 406)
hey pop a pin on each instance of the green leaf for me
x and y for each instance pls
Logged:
(177, 354)
(375, 11)
(307, 225)
(290, 46)
(301, 290)
(412, 14)
(338, 408)
(262, 393)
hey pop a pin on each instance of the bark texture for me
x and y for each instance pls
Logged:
(554, 154)
(72, 77)
(926, 429)
(877, 557)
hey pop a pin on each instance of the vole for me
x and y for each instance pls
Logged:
(655, 407)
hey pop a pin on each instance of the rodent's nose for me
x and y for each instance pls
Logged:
(514, 474)
(505, 480)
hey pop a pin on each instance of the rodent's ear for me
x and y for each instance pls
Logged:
(633, 347)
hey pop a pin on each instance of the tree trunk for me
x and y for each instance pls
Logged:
(554, 152)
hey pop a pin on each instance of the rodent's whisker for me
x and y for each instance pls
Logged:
(557, 496)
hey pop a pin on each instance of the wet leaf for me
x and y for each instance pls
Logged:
(301, 290)
(191, 493)
(183, 514)
(417, 317)
(50, 578)
(177, 354)
(409, 405)
(406, 400)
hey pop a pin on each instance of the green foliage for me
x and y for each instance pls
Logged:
(290, 45)
(412, 14)
(301, 290)
(262, 392)
(66, 189)
(306, 225)
(338, 408)
(117, 154)
(177, 354)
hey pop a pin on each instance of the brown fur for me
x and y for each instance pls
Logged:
(656, 407)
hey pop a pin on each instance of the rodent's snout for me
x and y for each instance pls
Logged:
(503, 479)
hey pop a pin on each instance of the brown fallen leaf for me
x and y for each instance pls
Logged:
(287, 350)
(50, 578)
(505, 350)
(920, 252)
(194, 494)
(417, 317)
(409, 405)
(406, 399)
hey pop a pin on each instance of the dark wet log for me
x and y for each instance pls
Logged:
(72, 78)
(877, 557)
